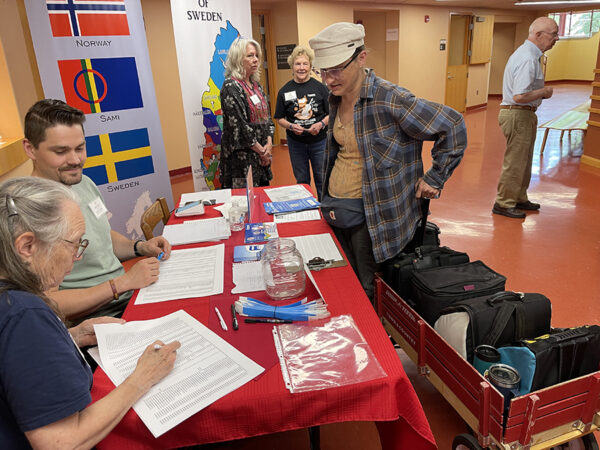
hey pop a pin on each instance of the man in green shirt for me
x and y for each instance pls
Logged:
(98, 285)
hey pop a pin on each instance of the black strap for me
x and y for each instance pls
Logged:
(420, 236)
(500, 321)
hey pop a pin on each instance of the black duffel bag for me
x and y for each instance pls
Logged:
(500, 319)
(435, 289)
(564, 354)
(398, 272)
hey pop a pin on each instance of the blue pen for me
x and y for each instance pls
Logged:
(160, 256)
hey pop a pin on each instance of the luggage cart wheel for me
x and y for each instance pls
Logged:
(587, 442)
(466, 442)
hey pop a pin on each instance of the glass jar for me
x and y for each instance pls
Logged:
(283, 269)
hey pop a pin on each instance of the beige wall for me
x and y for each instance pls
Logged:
(284, 26)
(572, 59)
(375, 33)
(503, 46)
(163, 59)
(314, 16)
(422, 64)
(392, 48)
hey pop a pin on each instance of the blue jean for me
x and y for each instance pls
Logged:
(300, 155)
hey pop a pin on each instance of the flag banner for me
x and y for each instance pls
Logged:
(93, 54)
(87, 18)
(118, 156)
(203, 36)
(101, 84)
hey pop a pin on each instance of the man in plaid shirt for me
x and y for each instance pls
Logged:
(373, 158)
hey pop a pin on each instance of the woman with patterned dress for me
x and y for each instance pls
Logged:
(247, 139)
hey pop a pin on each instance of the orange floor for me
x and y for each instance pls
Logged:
(555, 252)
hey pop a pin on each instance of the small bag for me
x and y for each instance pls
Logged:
(564, 354)
(439, 287)
(343, 212)
(500, 319)
(398, 271)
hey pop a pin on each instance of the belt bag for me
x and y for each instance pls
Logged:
(564, 354)
(434, 289)
(398, 271)
(500, 319)
(343, 212)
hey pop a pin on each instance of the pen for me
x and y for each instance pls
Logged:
(268, 321)
(223, 324)
(160, 255)
(233, 317)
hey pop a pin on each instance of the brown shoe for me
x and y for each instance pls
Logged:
(513, 213)
(528, 206)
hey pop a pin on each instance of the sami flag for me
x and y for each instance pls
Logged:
(118, 156)
(101, 84)
(87, 18)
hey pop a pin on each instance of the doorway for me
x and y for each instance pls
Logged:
(458, 62)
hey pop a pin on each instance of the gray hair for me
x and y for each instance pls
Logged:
(300, 50)
(29, 204)
(234, 66)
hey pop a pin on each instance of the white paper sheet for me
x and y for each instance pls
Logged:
(206, 369)
(248, 277)
(284, 193)
(192, 231)
(314, 245)
(193, 272)
(218, 195)
(299, 216)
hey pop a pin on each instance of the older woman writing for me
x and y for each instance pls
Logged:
(45, 396)
(247, 126)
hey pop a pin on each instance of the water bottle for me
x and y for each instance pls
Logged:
(237, 216)
(283, 269)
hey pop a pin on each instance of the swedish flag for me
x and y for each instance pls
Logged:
(118, 156)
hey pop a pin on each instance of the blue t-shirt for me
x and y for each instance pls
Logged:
(43, 377)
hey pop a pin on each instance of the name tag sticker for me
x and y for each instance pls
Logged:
(97, 207)
(290, 96)
(255, 99)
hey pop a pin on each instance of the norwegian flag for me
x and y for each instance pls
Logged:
(88, 18)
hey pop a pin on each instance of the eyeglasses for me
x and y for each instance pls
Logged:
(336, 72)
(79, 246)
(554, 35)
(10, 207)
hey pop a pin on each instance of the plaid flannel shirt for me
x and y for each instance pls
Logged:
(390, 127)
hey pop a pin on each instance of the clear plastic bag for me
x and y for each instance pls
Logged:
(321, 357)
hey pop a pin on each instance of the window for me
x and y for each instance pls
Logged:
(577, 24)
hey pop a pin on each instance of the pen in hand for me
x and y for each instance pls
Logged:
(160, 255)
(233, 317)
(223, 324)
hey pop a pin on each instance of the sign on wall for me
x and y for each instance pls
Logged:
(94, 56)
(204, 31)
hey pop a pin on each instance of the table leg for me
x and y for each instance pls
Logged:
(314, 434)
(544, 141)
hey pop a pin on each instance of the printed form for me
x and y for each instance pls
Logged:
(193, 272)
(206, 369)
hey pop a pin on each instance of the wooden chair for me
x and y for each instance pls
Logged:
(155, 213)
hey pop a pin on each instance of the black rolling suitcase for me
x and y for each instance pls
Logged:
(398, 271)
(435, 289)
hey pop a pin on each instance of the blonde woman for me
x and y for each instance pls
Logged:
(303, 110)
(247, 126)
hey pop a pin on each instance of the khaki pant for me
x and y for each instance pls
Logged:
(519, 127)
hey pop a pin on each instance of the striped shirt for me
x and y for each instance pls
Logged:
(390, 127)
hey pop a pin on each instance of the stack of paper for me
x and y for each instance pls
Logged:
(202, 230)
(281, 194)
(206, 369)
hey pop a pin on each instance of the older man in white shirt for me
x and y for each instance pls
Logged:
(522, 92)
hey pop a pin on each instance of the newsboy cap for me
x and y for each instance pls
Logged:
(336, 43)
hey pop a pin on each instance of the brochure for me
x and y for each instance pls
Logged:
(291, 205)
(260, 232)
(242, 253)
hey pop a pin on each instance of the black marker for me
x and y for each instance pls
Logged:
(233, 317)
(268, 321)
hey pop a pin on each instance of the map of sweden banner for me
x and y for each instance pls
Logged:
(203, 36)
(93, 55)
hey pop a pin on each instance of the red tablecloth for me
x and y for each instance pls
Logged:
(264, 405)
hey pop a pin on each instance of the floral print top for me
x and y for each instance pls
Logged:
(246, 120)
